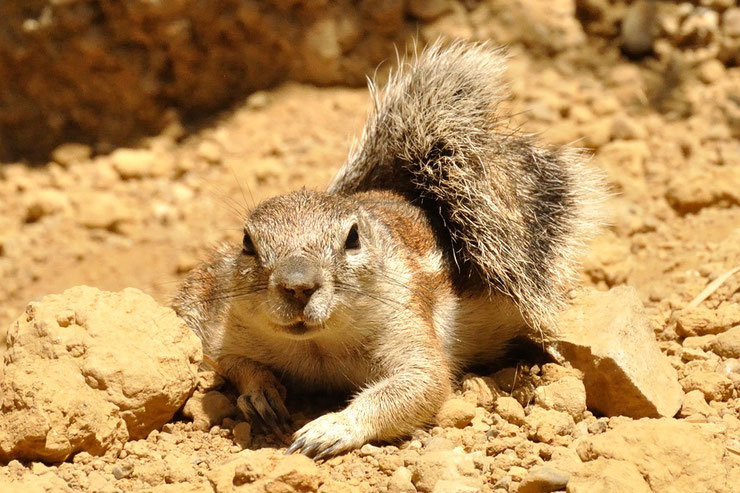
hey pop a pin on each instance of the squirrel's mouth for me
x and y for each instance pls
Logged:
(299, 329)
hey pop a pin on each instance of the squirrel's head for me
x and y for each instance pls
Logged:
(304, 255)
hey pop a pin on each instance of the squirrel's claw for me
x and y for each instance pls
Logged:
(267, 407)
(326, 436)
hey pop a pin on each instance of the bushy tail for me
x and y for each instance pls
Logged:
(517, 214)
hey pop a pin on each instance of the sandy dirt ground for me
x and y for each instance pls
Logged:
(143, 217)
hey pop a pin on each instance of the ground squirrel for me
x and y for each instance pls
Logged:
(443, 236)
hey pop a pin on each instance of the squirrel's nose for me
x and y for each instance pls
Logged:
(297, 278)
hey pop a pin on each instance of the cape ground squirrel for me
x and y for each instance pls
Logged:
(443, 236)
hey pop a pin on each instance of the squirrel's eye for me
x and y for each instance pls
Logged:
(247, 245)
(353, 239)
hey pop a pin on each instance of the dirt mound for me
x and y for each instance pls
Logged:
(87, 370)
(104, 72)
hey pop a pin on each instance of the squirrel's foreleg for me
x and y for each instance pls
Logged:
(391, 407)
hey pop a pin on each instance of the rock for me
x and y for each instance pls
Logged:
(694, 403)
(400, 481)
(552, 372)
(123, 470)
(209, 151)
(630, 217)
(258, 100)
(454, 24)
(727, 345)
(731, 22)
(625, 128)
(456, 413)
(624, 161)
(714, 386)
(730, 367)
(552, 26)
(452, 465)
(638, 28)
(671, 455)
(208, 409)
(503, 484)
(517, 473)
(209, 380)
(543, 479)
(565, 459)
(597, 133)
(607, 476)
(70, 153)
(610, 262)
(438, 443)
(704, 186)
(180, 487)
(506, 379)
(548, 426)
(608, 337)
(265, 470)
(711, 71)
(730, 49)
(694, 355)
(567, 395)
(101, 210)
(151, 471)
(296, 472)
(484, 389)
(370, 450)
(700, 321)
(428, 10)
(243, 434)
(180, 468)
(45, 483)
(700, 28)
(510, 409)
(87, 370)
(321, 50)
(45, 202)
(697, 342)
(99, 484)
(141, 163)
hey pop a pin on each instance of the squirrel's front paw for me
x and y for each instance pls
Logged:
(326, 436)
(266, 402)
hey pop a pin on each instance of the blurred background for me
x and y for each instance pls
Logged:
(133, 135)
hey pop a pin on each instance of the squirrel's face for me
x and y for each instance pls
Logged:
(306, 256)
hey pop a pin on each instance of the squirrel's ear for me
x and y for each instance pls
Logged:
(248, 245)
(353, 238)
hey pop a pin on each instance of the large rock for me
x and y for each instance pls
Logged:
(87, 370)
(608, 337)
(671, 455)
